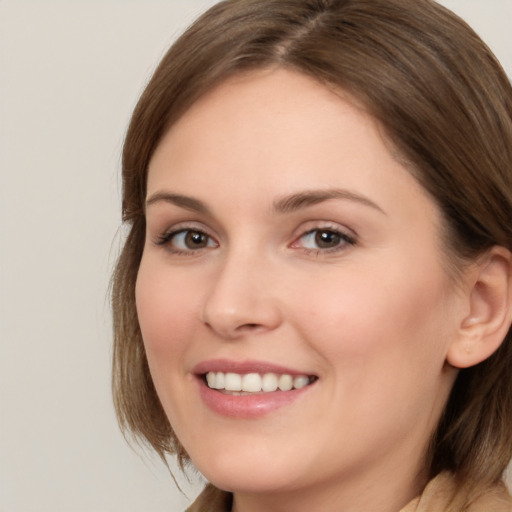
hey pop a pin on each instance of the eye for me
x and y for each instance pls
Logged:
(321, 239)
(186, 240)
(324, 240)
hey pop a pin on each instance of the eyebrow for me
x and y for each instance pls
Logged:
(300, 200)
(189, 203)
(286, 204)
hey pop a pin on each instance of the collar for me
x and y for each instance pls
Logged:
(439, 495)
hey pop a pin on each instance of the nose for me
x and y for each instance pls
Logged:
(242, 298)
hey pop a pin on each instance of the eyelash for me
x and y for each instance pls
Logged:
(344, 239)
(166, 238)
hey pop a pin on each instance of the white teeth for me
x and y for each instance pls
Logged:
(269, 382)
(300, 382)
(211, 380)
(285, 382)
(254, 382)
(233, 382)
(251, 383)
(219, 380)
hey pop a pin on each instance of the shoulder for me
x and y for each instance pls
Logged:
(442, 495)
(211, 500)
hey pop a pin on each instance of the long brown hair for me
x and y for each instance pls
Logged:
(444, 102)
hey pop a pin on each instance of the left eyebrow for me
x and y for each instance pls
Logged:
(304, 199)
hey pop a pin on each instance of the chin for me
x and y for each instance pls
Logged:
(250, 482)
(246, 474)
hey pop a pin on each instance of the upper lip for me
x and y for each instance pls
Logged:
(244, 367)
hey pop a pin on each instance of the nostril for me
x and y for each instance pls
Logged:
(248, 327)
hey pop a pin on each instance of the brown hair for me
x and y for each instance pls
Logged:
(445, 103)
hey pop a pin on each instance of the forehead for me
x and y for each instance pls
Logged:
(274, 129)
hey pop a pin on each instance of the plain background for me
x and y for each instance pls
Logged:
(70, 74)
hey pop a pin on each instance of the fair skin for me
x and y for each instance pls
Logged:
(282, 232)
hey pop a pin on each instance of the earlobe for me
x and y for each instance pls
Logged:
(483, 330)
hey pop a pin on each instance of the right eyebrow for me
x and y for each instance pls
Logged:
(180, 200)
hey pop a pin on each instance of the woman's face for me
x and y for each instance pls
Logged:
(287, 246)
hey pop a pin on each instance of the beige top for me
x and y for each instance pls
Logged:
(435, 498)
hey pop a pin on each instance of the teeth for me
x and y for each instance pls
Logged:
(285, 382)
(269, 382)
(233, 382)
(211, 379)
(217, 380)
(300, 382)
(254, 382)
(251, 383)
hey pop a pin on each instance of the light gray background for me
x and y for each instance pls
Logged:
(70, 74)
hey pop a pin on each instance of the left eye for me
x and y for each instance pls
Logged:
(324, 239)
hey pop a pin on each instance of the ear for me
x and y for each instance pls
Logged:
(483, 330)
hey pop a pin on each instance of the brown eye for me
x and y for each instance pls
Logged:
(195, 240)
(187, 240)
(324, 240)
(327, 239)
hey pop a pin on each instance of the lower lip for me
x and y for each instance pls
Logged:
(248, 406)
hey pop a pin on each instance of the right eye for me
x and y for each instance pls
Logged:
(186, 240)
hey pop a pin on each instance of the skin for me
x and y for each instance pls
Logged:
(373, 320)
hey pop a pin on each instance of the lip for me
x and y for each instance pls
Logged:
(246, 406)
(242, 367)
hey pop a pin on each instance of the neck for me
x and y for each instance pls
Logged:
(389, 491)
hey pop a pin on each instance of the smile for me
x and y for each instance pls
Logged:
(250, 389)
(255, 382)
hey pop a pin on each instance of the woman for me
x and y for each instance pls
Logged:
(313, 302)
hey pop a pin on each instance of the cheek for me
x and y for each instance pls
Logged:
(377, 314)
(167, 313)
(383, 346)
(165, 309)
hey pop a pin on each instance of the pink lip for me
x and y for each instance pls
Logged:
(243, 367)
(245, 406)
